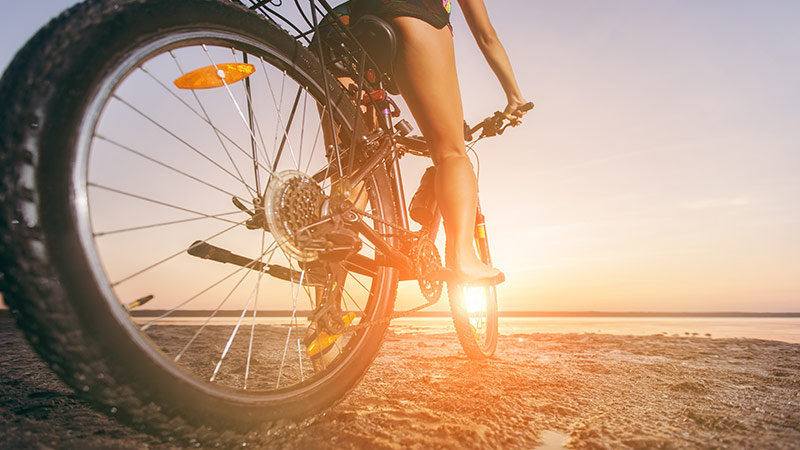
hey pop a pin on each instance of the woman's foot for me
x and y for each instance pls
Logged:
(476, 274)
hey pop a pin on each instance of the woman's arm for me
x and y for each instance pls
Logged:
(494, 52)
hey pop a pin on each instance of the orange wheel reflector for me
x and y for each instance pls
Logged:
(215, 76)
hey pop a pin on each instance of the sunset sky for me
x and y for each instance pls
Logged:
(660, 170)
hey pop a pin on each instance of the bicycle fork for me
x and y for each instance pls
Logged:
(481, 237)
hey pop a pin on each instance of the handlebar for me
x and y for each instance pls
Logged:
(495, 124)
(490, 126)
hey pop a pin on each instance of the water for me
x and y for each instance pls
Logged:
(786, 329)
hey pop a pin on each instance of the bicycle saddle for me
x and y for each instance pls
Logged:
(380, 41)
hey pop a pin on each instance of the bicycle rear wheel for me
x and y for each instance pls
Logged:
(126, 195)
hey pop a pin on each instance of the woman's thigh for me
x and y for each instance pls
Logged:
(425, 71)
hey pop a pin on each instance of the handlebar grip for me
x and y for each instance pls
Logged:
(526, 107)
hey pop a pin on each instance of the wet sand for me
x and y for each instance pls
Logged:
(541, 391)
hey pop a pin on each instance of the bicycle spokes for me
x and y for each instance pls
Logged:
(232, 289)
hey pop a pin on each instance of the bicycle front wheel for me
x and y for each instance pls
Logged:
(474, 308)
(159, 159)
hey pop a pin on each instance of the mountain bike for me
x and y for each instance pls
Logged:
(203, 224)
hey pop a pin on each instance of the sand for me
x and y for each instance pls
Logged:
(541, 391)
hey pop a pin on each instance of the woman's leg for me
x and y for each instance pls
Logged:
(426, 75)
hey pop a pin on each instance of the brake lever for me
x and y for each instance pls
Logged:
(516, 121)
(492, 126)
(509, 124)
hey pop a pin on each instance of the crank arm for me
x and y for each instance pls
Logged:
(202, 249)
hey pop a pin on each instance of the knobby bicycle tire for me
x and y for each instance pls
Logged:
(56, 277)
(474, 311)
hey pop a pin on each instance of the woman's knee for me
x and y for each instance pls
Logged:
(448, 154)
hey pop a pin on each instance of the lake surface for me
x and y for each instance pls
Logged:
(786, 329)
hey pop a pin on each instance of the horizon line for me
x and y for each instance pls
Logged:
(507, 314)
(5, 312)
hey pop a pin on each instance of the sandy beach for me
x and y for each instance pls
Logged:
(545, 391)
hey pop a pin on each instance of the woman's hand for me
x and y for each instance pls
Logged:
(513, 110)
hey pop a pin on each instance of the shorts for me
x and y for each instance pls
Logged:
(435, 12)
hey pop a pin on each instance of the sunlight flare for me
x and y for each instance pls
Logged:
(475, 299)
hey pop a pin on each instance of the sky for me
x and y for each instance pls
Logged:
(659, 169)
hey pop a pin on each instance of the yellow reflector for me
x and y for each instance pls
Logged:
(481, 232)
(215, 76)
(324, 340)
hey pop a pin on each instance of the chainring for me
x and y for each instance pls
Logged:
(427, 262)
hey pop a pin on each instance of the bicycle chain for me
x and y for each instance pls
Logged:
(384, 221)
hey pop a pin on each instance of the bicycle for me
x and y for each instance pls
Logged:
(148, 158)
